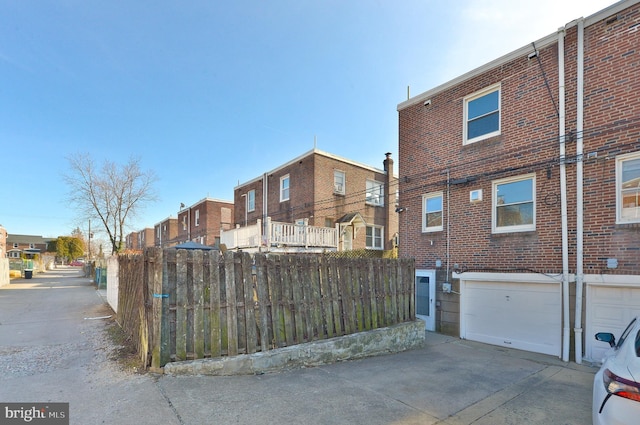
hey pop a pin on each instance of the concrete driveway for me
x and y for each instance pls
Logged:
(53, 349)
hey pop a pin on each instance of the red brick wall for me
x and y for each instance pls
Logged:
(430, 145)
(312, 195)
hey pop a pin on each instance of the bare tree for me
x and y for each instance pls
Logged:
(112, 194)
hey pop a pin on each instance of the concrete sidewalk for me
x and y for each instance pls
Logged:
(50, 351)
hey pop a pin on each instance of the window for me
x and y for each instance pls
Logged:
(514, 208)
(251, 200)
(184, 222)
(197, 218)
(339, 182)
(375, 193)
(482, 114)
(284, 188)
(628, 188)
(374, 237)
(15, 244)
(432, 212)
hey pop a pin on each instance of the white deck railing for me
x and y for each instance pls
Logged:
(280, 235)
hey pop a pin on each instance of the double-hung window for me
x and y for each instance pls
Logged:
(338, 182)
(251, 200)
(197, 220)
(514, 204)
(374, 237)
(432, 212)
(628, 188)
(482, 114)
(284, 188)
(375, 193)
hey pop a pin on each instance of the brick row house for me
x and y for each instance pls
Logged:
(316, 202)
(519, 186)
(166, 233)
(203, 221)
(25, 246)
(140, 240)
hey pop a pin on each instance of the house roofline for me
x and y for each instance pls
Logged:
(203, 200)
(310, 153)
(525, 50)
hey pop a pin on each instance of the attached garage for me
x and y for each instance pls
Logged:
(522, 311)
(612, 301)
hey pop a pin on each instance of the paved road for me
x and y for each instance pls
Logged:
(53, 349)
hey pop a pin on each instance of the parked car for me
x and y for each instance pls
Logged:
(616, 386)
(76, 263)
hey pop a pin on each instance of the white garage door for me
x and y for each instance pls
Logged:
(526, 316)
(609, 309)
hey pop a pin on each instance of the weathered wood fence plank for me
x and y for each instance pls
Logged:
(193, 304)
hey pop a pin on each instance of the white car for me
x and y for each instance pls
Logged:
(616, 386)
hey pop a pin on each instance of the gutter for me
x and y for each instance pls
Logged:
(579, 194)
(563, 199)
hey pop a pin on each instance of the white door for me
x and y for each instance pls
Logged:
(426, 298)
(521, 315)
(347, 242)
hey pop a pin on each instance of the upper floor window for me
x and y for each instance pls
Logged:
(374, 237)
(251, 200)
(482, 114)
(514, 204)
(339, 179)
(375, 193)
(432, 212)
(197, 218)
(184, 222)
(15, 244)
(284, 188)
(32, 245)
(628, 188)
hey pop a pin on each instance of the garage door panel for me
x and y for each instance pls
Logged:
(525, 316)
(610, 309)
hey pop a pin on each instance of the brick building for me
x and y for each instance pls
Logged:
(202, 221)
(140, 240)
(519, 186)
(319, 190)
(166, 233)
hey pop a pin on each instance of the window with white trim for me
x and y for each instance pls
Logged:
(628, 188)
(339, 179)
(284, 188)
(375, 193)
(514, 204)
(432, 212)
(197, 218)
(482, 114)
(251, 200)
(15, 244)
(374, 237)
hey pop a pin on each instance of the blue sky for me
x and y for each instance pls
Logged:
(210, 93)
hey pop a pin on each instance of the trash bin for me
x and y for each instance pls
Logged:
(28, 274)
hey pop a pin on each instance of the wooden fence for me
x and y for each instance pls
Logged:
(192, 304)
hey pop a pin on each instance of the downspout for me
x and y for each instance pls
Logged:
(265, 204)
(563, 201)
(579, 193)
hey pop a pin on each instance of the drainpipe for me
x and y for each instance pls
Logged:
(265, 203)
(579, 193)
(563, 201)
